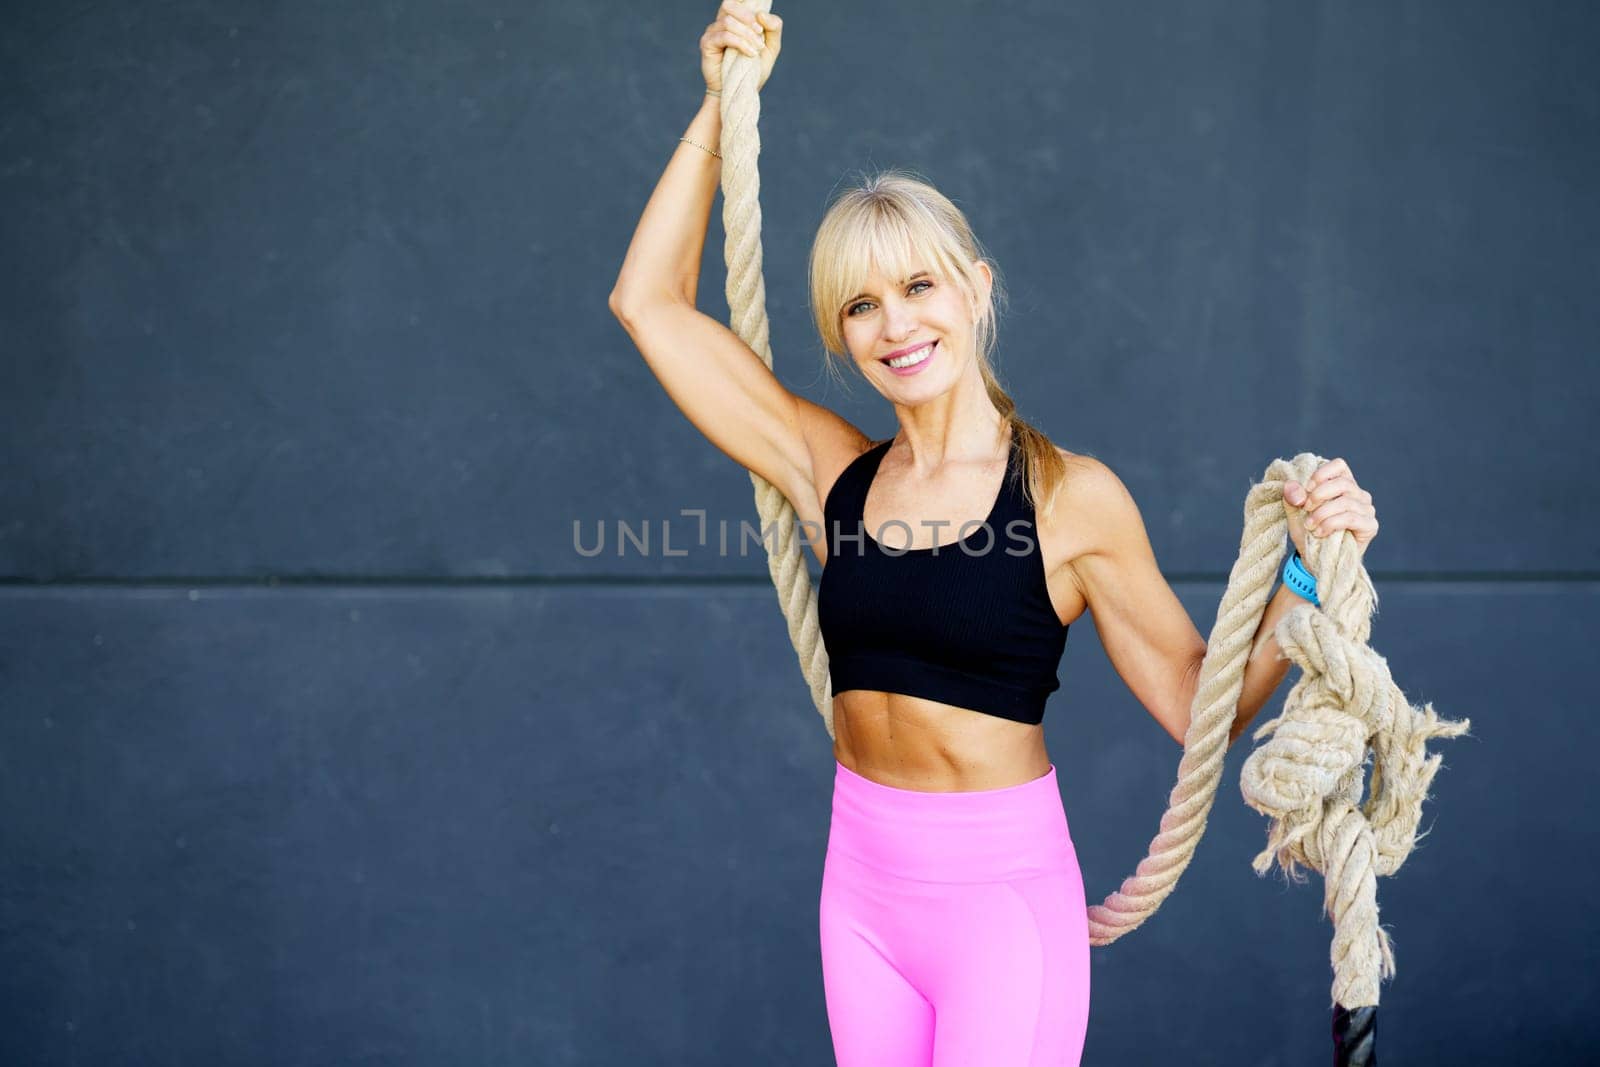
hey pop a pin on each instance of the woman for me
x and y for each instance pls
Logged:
(952, 913)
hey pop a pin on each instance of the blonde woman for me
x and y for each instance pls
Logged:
(952, 913)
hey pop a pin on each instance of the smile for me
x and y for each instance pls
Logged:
(912, 362)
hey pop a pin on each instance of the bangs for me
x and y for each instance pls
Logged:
(894, 225)
(886, 242)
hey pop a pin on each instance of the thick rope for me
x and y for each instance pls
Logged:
(1211, 714)
(1308, 778)
(740, 105)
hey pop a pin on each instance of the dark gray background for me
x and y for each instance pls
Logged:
(321, 744)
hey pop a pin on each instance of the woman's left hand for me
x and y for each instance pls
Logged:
(1335, 502)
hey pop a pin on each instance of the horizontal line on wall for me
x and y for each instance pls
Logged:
(646, 581)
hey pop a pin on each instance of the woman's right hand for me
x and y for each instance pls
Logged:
(737, 26)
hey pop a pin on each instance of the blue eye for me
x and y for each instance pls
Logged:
(851, 310)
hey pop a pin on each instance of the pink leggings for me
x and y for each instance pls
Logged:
(954, 928)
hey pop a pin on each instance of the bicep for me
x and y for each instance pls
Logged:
(1148, 636)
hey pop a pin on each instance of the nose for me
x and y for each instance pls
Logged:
(898, 322)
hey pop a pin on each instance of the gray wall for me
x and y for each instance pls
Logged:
(321, 744)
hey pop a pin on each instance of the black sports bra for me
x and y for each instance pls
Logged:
(969, 623)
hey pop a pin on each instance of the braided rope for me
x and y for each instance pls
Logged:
(1308, 776)
(740, 106)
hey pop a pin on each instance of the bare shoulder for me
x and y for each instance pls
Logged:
(1069, 531)
(832, 442)
(1087, 479)
(1078, 462)
(1088, 474)
(1091, 504)
(1102, 508)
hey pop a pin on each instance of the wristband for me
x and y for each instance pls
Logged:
(1300, 580)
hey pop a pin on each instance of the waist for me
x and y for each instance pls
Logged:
(915, 742)
(985, 835)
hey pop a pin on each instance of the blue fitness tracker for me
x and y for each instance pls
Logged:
(1300, 580)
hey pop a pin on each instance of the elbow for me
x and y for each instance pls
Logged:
(628, 301)
(620, 304)
(1191, 689)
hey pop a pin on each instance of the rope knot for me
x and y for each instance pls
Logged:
(1308, 776)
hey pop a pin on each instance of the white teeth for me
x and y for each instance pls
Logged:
(911, 357)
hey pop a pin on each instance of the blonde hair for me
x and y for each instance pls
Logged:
(899, 223)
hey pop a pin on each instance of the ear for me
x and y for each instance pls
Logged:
(985, 283)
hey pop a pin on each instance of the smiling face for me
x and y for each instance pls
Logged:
(889, 325)
(895, 264)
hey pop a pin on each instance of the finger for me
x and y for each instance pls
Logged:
(716, 37)
(735, 31)
(1362, 529)
(1331, 469)
(1321, 517)
(772, 38)
(753, 35)
(738, 36)
(1342, 485)
(1343, 504)
(1339, 514)
(1321, 491)
(744, 16)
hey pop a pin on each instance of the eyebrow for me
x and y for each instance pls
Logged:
(903, 281)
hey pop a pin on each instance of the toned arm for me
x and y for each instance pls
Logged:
(717, 381)
(723, 388)
(734, 399)
(1145, 630)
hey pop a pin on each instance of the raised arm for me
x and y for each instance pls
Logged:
(716, 380)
